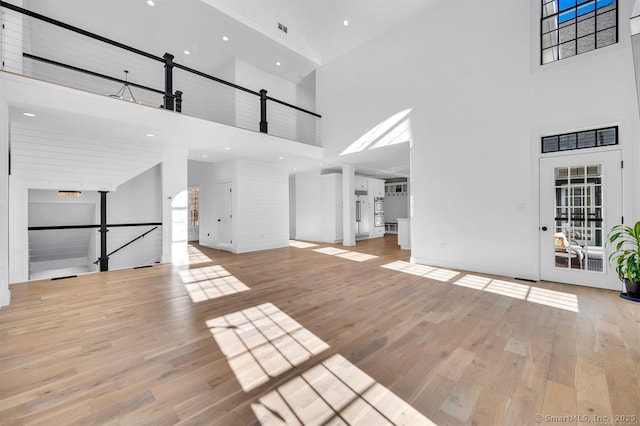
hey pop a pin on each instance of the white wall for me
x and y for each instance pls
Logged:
(248, 106)
(479, 105)
(5, 294)
(57, 160)
(174, 205)
(260, 204)
(138, 200)
(213, 175)
(12, 30)
(262, 214)
(292, 206)
(256, 79)
(308, 206)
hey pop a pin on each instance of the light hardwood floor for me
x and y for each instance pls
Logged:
(273, 336)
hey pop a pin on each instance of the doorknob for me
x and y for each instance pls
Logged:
(219, 220)
(544, 228)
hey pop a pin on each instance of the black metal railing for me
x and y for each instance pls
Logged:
(46, 60)
(103, 260)
(100, 259)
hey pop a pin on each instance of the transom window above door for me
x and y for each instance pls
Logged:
(580, 140)
(572, 27)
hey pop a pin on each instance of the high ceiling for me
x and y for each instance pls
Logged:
(316, 33)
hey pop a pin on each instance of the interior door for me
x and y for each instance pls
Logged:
(225, 216)
(580, 200)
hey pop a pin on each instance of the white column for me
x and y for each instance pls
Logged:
(175, 196)
(5, 294)
(18, 233)
(349, 206)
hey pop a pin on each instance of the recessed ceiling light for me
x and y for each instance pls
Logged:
(227, 148)
(151, 3)
(281, 158)
(204, 156)
(150, 135)
(345, 23)
(225, 38)
(278, 63)
(28, 114)
(186, 52)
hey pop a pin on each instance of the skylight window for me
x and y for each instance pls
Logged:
(572, 27)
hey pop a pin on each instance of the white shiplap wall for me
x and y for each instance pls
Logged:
(262, 216)
(66, 161)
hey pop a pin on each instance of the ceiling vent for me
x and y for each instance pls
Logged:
(282, 28)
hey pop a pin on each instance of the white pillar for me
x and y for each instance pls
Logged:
(5, 294)
(18, 231)
(175, 196)
(349, 206)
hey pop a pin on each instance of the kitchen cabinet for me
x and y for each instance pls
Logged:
(361, 183)
(376, 187)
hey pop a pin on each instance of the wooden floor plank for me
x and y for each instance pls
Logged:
(131, 347)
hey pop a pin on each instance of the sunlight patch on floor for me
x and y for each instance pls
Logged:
(196, 256)
(438, 274)
(301, 244)
(346, 254)
(542, 296)
(210, 282)
(335, 392)
(556, 299)
(332, 251)
(262, 342)
(505, 288)
(357, 257)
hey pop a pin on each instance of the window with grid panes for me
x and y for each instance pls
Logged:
(572, 27)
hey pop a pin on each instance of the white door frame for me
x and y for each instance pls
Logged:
(225, 221)
(612, 204)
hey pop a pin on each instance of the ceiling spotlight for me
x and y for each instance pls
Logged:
(29, 114)
(278, 63)
(281, 158)
(204, 156)
(186, 52)
(345, 23)
(225, 38)
(151, 3)
(150, 135)
(228, 148)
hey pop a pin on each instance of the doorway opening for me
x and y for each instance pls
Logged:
(194, 213)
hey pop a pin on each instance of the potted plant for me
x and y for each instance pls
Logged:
(625, 241)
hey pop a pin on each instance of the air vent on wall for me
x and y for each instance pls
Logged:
(282, 27)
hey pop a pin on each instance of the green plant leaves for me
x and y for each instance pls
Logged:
(626, 255)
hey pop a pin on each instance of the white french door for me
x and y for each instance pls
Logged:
(225, 216)
(580, 200)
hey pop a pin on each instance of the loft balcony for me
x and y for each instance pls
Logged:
(38, 46)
